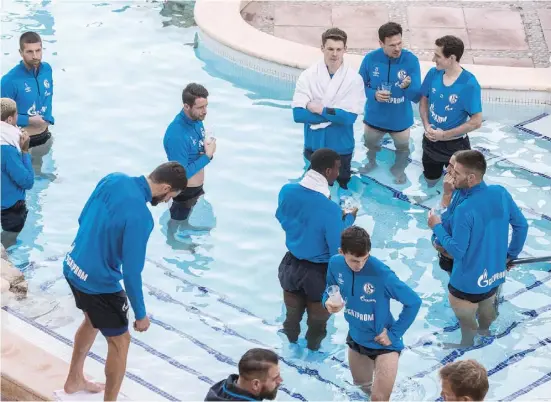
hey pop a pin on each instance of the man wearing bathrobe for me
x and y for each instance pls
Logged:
(328, 98)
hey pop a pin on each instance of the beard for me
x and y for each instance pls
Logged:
(158, 199)
(269, 395)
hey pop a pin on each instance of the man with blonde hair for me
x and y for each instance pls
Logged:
(17, 172)
(465, 380)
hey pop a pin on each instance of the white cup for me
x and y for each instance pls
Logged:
(334, 293)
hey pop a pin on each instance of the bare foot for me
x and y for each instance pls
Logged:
(83, 385)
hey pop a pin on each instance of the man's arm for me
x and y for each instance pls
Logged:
(457, 244)
(520, 228)
(334, 227)
(413, 91)
(9, 90)
(177, 149)
(19, 168)
(364, 72)
(424, 111)
(301, 115)
(474, 123)
(411, 301)
(330, 280)
(136, 234)
(48, 102)
(339, 116)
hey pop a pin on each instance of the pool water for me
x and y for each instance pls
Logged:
(212, 289)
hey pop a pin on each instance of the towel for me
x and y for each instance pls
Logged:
(60, 395)
(315, 181)
(10, 135)
(344, 91)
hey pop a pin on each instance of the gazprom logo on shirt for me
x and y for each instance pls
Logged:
(360, 316)
(396, 101)
(75, 268)
(435, 117)
(483, 280)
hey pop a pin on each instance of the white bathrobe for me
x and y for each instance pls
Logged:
(10, 135)
(344, 91)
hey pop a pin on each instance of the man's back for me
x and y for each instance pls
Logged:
(481, 228)
(115, 214)
(312, 223)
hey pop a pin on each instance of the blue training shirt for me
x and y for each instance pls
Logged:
(17, 175)
(32, 90)
(184, 143)
(367, 294)
(450, 107)
(312, 223)
(376, 68)
(479, 238)
(114, 228)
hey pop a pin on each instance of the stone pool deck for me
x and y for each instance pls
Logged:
(513, 34)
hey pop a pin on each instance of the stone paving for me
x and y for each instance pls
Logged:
(515, 34)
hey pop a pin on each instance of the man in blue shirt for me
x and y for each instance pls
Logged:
(114, 228)
(259, 378)
(392, 79)
(450, 107)
(328, 98)
(185, 142)
(478, 241)
(31, 86)
(17, 173)
(313, 225)
(366, 285)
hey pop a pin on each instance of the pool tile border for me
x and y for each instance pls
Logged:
(225, 33)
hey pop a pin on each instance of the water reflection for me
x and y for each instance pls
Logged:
(179, 12)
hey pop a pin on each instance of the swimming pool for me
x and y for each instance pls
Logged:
(214, 293)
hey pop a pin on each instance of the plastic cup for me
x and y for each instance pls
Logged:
(334, 293)
(386, 88)
(438, 210)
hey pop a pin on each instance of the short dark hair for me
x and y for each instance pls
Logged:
(466, 378)
(323, 159)
(171, 173)
(451, 45)
(29, 37)
(335, 34)
(473, 160)
(256, 362)
(388, 30)
(193, 91)
(356, 241)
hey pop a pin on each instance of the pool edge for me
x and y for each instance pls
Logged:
(221, 20)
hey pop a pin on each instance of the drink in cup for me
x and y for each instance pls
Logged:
(386, 89)
(335, 297)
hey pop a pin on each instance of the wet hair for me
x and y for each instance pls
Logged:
(467, 378)
(171, 173)
(29, 37)
(193, 91)
(323, 159)
(451, 45)
(473, 160)
(389, 30)
(256, 362)
(9, 108)
(356, 241)
(336, 34)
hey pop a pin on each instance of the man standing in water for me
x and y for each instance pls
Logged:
(392, 78)
(374, 336)
(185, 143)
(450, 107)
(328, 98)
(114, 229)
(478, 240)
(313, 225)
(31, 86)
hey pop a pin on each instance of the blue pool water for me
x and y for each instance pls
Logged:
(119, 69)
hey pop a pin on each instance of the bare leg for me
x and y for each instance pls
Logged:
(401, 143)
(386, 368)
(317, 324)
(362, 368)
(465, 312)
(487, 314)
(372, 141)
(295, 305)
(115, 367)
(84, 339)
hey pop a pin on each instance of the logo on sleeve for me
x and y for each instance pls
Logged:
(340, 280)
